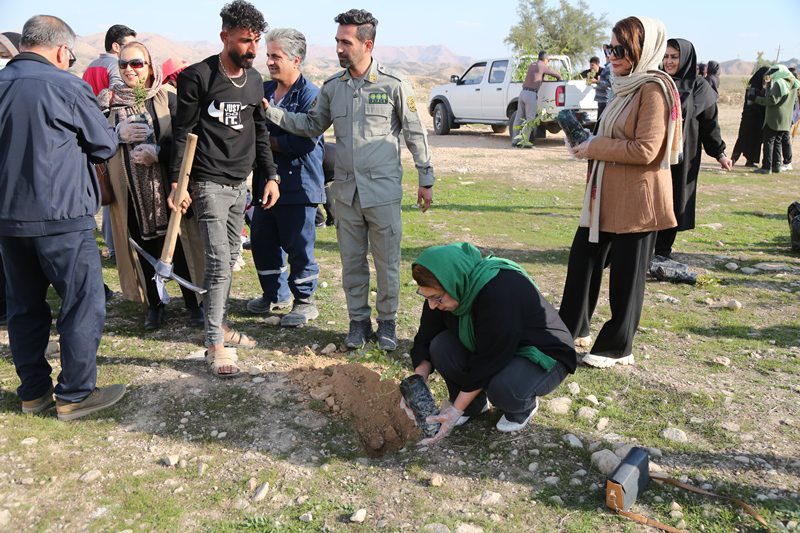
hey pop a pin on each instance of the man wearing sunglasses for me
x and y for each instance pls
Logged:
(51, 131)
(103, 72)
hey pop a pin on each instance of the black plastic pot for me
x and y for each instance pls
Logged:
(142, 118)
(420, 399)
(572, 128)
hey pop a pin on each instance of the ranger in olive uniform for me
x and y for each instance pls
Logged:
(368, 106)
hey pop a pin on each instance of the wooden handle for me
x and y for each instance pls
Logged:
(174, 228)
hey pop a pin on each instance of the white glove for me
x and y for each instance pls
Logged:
(407, 410)
(145, 154)
(132, 132)
(447, 417)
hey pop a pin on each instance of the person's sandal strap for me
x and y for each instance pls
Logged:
(221, 359)
(234, 338)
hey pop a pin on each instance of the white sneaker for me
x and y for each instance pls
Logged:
(583, 342)
(787, 166)
(599, 361)
(464, 419)
(507, 426)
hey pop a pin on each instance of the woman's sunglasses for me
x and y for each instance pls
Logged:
(617, 51)
(134, 63)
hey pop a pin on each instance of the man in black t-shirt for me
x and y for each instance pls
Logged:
(219, 100)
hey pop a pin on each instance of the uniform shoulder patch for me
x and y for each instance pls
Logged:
(335, 76)
(389, 73)
(412, 104)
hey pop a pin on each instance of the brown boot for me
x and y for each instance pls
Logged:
(39, 405)
(98, 400)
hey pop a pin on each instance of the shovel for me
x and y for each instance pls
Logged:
(163, 266)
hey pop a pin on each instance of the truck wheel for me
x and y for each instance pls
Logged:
(511, 132)
(499, 128)
(441, 120)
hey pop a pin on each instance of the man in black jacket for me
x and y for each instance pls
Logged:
(51, 129)
(219, 100)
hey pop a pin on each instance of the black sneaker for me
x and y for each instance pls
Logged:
(360, 331)
(762, 171)
(387, 339)
(197, 318)
(154, 318)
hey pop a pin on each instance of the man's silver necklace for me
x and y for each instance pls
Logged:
(222, 66)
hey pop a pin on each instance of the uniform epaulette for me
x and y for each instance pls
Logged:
(335, 76)
(383, 70)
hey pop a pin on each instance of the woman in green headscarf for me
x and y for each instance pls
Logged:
(488, 331)
(779, 103)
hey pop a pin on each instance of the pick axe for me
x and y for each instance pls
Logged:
(163, 266)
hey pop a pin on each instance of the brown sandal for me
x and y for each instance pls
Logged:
(221, 359)
(236, 339)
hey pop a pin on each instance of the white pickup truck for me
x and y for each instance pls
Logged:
(488, 90)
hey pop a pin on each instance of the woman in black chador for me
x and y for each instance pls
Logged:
(700, 130)
(748, 144)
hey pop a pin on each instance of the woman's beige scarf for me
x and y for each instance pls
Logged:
(624, 89)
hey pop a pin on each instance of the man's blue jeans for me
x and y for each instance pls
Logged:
(220, 215)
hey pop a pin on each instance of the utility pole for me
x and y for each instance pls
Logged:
(778, 55)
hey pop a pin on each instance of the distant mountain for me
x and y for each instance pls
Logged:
(737, 67)
(423, 63)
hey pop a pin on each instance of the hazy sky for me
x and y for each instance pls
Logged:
(721, 31)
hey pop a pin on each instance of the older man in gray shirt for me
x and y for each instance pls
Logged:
(528, 103)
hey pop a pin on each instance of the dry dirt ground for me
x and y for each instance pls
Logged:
(313, 434)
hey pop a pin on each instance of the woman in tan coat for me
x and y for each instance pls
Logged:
(139, 180)
(628, 195)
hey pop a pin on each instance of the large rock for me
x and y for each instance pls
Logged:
(489, 498)
(605, 461)
(587, 413)
(90, 476)
(359, 516)
(559, 406)
(261, 492)
(572, 441)
(320, 393)
(468, 528)
(675, 435)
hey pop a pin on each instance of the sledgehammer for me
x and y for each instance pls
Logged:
(163, 266)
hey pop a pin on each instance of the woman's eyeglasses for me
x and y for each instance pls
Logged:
(617, 51)
(134, 63)
(435, 299)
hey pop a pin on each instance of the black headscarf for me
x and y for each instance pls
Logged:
(696, 93)
(712, 75)
(757, 79)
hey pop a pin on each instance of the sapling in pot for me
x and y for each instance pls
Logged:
(140, 116)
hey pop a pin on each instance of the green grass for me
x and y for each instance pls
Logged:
(674, 383)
